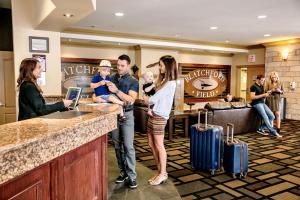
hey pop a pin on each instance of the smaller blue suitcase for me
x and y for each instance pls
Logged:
(235, 155)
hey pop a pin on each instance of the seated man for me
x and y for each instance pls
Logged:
(258, 96)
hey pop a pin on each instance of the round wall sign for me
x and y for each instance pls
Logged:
(205, 83)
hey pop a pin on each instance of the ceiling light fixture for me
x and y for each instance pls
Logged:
(213, 28)
(119, 14)
(68, 15)
(267, 35)
(227, 41)
(261, 16)
(177, 35)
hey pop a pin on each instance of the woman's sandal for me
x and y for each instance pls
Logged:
(161, 178)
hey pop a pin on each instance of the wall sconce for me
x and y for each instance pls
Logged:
(285, 55)
(292, 85)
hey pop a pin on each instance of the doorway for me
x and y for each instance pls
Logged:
(246, 76)
(7, 88)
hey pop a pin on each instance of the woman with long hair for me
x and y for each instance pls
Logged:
(31, 101)
(162, 102)
(273, 101)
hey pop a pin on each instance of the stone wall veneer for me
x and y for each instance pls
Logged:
(288, 71)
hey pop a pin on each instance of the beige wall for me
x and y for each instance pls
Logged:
(204, 59)
(22, 14)
(72, 51)
(142, 56)
(242, 59)
(288, 71)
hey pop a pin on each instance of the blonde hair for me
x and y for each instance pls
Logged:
(274, 74)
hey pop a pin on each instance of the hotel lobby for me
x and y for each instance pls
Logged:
(220, 48)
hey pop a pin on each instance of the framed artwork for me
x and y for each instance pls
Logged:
(38, 44)
(41, 59)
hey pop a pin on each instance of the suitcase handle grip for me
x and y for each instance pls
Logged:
(229, 126)
(202, 110)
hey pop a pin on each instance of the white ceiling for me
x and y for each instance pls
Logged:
(191, 19)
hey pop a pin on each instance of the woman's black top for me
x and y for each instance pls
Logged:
(32, 104)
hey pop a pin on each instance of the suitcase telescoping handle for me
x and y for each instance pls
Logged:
(202, 110)
(229, 126)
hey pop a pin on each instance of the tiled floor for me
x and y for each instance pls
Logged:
(274, 168)
(144, 191)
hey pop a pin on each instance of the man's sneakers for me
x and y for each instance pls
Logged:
(132, 183)
(262, 132)
(275, 134)
(121, 178)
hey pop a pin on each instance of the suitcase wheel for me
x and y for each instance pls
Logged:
(212, 172)
(222, 169)
(241, 175)
(245, 175)
(233, 175)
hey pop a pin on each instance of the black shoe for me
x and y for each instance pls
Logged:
(278, 130)
(262, 132)
(121, 178)
(132, 183)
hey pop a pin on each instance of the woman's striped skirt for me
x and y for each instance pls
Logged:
(156, 125)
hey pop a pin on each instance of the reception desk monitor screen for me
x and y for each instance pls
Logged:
(73, 94)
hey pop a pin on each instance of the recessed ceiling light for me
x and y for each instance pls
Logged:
(267, 35)
(227, 41)
(213, 28)
(68, 15)
(177, 35)
(119, 14)
(261, 16)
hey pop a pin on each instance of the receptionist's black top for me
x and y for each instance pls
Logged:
(32, 104)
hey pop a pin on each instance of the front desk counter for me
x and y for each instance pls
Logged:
(58, 156)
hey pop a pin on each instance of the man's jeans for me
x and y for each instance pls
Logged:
(123, 138)
(267, 116)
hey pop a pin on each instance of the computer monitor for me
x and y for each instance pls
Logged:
(73, 94)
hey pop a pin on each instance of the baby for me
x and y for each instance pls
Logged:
(102, 93)
(149, 87)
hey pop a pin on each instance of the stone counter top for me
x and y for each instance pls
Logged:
(28, 144)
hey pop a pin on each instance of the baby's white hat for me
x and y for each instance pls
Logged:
(105, 63)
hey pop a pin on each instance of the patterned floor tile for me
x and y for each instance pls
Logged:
(235, 183)
(274, 167)
(192, 187)
(230, 191)
(291, 178)
(190, 178)
(266, 168)
(287, 196)
(276, 188)
(280, 155)
(266, 176)
(262, 160)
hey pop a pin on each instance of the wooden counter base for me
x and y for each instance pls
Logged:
(78, 174)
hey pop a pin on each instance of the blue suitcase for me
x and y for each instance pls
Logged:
(206, 145)
(235, 155)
